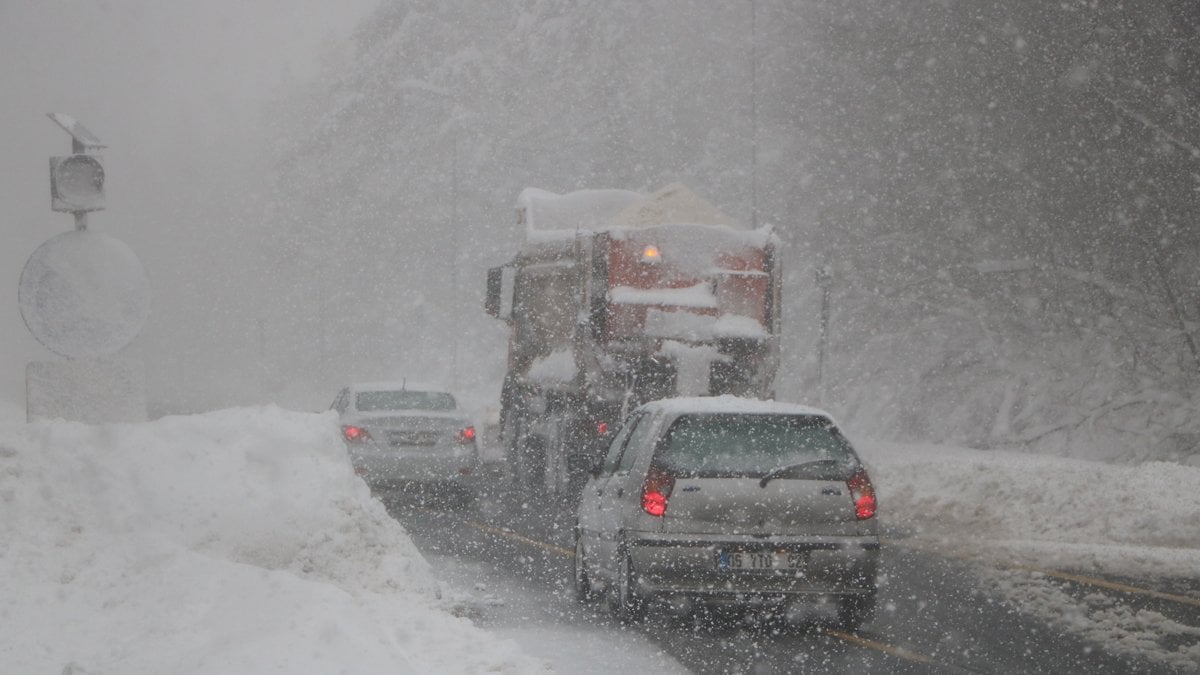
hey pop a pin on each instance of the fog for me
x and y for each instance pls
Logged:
(177, 91)
(1005, 197)
(995, 207)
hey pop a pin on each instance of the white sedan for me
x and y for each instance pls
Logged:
(398, 436)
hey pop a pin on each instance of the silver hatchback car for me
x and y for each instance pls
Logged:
(729, 501)
(398, 435)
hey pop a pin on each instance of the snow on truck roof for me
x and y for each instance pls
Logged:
(582, 209)
(546, 213)
(673, 204)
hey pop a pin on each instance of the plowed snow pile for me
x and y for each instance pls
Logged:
(1063, 513)
(237, 541)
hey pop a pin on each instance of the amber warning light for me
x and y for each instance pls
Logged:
(651, 254)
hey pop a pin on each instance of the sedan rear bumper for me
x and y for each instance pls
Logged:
(388, 466)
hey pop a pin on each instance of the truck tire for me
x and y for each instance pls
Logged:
(525, 452)
(558, 444)
(532, 452)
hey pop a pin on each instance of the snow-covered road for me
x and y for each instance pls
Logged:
(509, 563)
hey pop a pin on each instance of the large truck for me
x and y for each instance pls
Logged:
(616, 298)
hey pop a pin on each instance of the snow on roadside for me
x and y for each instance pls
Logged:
(1004, 510)
(1100, 619)
(1034, 509)
(233, 541)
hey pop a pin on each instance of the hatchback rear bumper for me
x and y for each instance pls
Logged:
(698, 566)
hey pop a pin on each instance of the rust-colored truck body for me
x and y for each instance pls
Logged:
(615, 299)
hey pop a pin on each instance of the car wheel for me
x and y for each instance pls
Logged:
(855, 610)
(625, 602)
(583, 585)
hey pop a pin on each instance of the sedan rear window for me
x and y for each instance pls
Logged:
(750, 445)
(370, 401)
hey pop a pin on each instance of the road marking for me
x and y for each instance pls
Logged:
(1065, 576)
(1110, 585)
(898, 652)
(509, 534)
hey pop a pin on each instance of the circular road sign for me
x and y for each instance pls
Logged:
(84, 294)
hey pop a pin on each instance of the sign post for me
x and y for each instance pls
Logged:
(84, 295)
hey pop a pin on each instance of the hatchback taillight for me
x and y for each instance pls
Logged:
(863, 494)
(355, 434)
(656, 490)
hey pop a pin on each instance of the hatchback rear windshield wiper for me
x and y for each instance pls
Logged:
(776, 473)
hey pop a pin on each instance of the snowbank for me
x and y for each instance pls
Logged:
(234, 541)
(1024, 508)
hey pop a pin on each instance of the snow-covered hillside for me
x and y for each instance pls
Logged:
(237, 541)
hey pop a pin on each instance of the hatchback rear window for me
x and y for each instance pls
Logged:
(370, 401)
(752, 445)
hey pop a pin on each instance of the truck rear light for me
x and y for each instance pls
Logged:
(355, 434)
(651, 254)
(656, 490)
(863, 494)
(467, 435)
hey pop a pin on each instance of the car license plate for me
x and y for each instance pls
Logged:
(412, 438)
(738, 561)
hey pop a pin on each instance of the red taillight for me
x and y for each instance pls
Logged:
(467, 435)
(863, 494)
(656, 490)
(354, 434)
(601, 428)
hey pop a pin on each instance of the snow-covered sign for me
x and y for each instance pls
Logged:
(84, 294)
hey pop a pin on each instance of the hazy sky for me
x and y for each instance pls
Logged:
(175, 90)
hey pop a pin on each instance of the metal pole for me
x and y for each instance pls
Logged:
(753, 114)
(824, 277)
(454, 243)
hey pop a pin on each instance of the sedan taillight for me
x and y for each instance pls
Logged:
(863, 494)
(467, 435)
